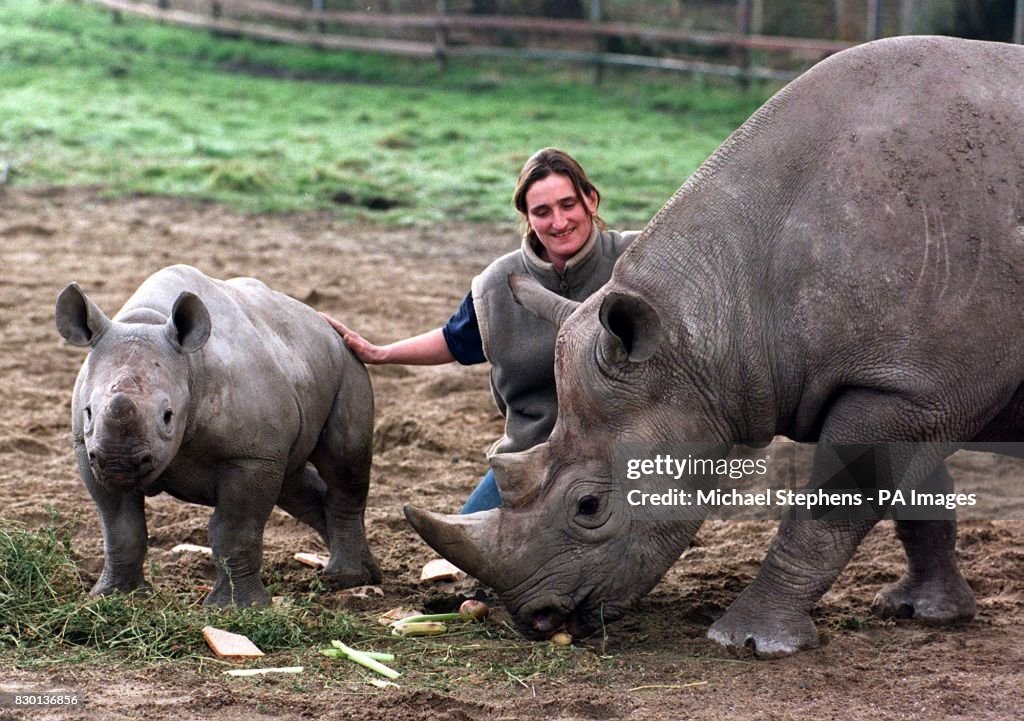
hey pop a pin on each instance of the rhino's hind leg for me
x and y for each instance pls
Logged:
(932, 589)
(343, 456)
(303, 496)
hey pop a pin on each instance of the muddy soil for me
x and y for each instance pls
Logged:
(432, 427)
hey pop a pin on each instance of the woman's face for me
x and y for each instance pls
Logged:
(562, 223)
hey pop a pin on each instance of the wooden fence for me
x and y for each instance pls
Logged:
(445, 35)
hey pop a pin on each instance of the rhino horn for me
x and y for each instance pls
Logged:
(468, 541)
(540, 301)
(519, 475)
(123, 410)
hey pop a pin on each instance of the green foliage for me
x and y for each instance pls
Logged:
(140, 107)
(46, 619)
(44, 610)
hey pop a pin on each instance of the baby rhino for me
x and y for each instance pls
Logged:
(231, 395)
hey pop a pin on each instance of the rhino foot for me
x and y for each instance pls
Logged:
(343, 572)
(764, 634)
(105, 587)
(938, 601)
(241, 594)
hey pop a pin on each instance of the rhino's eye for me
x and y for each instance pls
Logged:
(588, 506)
(88, 413)
(591, 511)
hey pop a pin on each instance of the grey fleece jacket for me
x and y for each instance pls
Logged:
(520, 346)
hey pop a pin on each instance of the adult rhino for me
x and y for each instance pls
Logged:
(227, 394)
(847, 267)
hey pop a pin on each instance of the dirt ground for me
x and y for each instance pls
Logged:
(432, 427)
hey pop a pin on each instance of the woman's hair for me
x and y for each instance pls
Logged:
(551, 161)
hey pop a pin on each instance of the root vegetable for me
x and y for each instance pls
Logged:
(419, 628)
(561, 639)
(474, 610)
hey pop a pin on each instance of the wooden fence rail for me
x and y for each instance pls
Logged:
(253, 18)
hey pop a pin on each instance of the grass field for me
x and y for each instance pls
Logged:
(138, 107)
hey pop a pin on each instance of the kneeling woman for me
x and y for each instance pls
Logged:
(565, 247)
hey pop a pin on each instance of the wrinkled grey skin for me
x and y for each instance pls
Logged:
(227, 394)
(848, 266)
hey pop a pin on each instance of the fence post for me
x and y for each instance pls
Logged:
(908, 11)
(1018, 23)
(318, 8)
(874, 30)
(741, 55)
(599, 44)
(441, 35)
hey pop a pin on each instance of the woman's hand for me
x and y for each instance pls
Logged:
(365, 351)
(427, 349)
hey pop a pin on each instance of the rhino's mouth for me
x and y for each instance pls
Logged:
(123, 470)
(587, 620)
(580, 618)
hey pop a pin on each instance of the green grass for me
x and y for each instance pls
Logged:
(47, 620)
(139, 107)
(46, 616)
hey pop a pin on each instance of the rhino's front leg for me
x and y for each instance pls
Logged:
(123, 519)
(245, 498)
(302, 496)
(772, 615)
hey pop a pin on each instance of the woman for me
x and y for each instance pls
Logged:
(565, 247)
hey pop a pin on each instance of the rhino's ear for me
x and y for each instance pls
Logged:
(633, 328)
(539, 300)
(79, 321)
(189, 325)
(519, 475)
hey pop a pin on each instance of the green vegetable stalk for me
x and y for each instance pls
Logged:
(376, 656)
(470, 610)
(365, 659)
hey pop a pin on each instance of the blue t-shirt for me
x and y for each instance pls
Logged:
(462, 334)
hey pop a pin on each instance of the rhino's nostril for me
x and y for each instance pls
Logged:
(145, 462)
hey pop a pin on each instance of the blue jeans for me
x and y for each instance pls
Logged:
(484, 497)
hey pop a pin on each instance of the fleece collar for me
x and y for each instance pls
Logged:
(577, 270)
